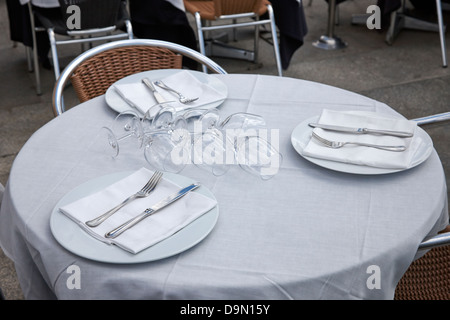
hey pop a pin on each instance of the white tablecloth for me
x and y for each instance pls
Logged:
(308, 233)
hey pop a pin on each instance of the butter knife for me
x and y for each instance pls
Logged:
(401, 134)
(148, 212)
(127, 101)
(159, 98)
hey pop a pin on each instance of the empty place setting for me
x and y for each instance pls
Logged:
(271, 205)
(169, 170)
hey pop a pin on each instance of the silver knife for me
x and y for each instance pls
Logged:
(159, 98)
(127, 101)
(401, 134)
(148, 212)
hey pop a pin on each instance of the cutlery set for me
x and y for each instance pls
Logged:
(400, 134)
(340, 144)
(146, 190)
(148, 212)
(181, 97)
(159, 98)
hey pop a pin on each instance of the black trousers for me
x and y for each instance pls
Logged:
(160, 20)
(20, 29)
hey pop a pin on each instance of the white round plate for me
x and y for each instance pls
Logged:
(116, 103)
(302, 134)
(77, 241)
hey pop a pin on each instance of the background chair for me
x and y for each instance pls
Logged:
(99, 19)
(95, 75)
(400, 20)
(95, 70)
(428, 278)
(227, 13)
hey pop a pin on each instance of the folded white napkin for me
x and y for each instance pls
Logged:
(365, 155)
(182, 81)
(149, 231)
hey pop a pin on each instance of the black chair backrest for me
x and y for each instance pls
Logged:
(93, 14)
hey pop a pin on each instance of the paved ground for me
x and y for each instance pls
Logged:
(407, 76)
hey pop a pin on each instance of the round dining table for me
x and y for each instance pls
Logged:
(309, 232)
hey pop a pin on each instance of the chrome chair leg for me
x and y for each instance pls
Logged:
(276, 47)
(51, 35)
(201, 39)
(129, 28)
(35, 53)
(441, 32)
(256, 42)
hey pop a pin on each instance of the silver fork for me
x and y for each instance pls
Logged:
(339, 144)
(181, 97)
(144, 192)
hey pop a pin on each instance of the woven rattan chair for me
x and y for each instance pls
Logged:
(428, 278)
(95, 70)
(98, 21)
(95, 75)
(231, 11)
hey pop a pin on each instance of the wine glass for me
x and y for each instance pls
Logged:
(253, 152)
(124, 135)
(209, 150)
(257, 156)
(243, 121)
(167, 141)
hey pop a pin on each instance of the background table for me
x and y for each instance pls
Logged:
(308, 233)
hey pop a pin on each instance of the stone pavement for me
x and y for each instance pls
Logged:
(407, 76)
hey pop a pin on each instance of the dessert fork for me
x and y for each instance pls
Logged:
(181, 97)
(339, 144)
(144, 192)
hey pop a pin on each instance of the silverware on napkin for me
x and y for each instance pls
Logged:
(401, 134)
(148, 212)
(340, 144)
(124, 98)
(144, 192)
(159, 98)
(181, 97)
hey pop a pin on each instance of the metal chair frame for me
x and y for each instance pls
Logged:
(57, 98)
(401, 21)
(76, 36)
(427, 278)
(243, 54)
(442, 239)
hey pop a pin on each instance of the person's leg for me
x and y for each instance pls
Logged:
(160, 20)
